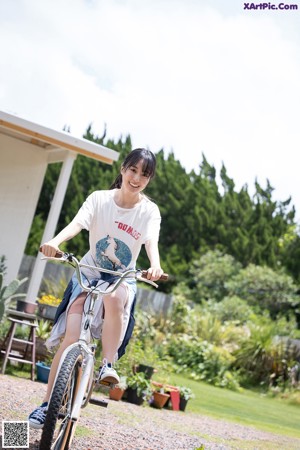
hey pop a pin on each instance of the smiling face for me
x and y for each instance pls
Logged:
(134, 178)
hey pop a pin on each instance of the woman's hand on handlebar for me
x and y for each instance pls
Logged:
(154, 273)
(50, 249)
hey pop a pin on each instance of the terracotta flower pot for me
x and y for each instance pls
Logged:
(160, 399)
(29, 308)
(116, 393)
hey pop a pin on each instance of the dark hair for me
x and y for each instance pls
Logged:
(136, 155)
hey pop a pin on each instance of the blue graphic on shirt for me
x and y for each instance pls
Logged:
(112, 254)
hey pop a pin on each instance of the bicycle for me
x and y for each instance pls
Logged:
(75, 380)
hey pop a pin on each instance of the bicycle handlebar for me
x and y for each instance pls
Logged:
(140, 275)
(163, 277)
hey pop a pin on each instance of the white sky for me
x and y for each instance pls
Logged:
(184, 75)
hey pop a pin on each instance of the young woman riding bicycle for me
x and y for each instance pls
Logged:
(119, 221)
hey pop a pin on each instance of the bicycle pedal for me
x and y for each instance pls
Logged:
(104, 383)
(96, 401)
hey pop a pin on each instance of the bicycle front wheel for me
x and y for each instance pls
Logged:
(58, 429)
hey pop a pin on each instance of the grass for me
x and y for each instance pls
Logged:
(248, 408)
(82, 431)
(17, 371)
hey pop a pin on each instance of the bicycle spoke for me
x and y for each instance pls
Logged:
(61, 430)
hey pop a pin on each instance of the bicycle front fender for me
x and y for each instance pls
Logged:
(87, 372)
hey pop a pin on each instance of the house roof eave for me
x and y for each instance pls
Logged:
(45, 137)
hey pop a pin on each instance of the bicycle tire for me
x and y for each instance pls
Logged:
(61, 403)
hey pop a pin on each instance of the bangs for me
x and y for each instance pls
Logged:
(146, 156)
(148, 167)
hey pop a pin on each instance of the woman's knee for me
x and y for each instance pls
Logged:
(72, 329)
(70, 338)
(114, 303)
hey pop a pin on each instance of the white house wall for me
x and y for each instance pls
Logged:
(22, 170)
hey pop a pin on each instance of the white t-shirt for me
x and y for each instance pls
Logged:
(117, 234)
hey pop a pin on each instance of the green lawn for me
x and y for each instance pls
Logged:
(248, 408)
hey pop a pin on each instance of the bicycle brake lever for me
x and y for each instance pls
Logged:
(144, 280)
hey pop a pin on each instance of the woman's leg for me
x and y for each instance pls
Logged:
(114, 305)
(72, 335)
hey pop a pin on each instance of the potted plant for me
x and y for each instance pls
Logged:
(52, 294)
(148, 361)
(141, 358)
(159, 397)
(185, 394)
(47, 306)
(138, 389)
(146, 369)
(117, 392)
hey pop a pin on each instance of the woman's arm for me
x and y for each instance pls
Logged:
(154, 271)
(51, 247)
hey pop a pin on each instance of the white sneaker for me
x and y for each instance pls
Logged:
(107, 374)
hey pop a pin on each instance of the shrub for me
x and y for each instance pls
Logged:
(8, 293)
(210, 274)
(43, 329)
(203, 360)
(181, 310)
(232, 308)
(264, 358)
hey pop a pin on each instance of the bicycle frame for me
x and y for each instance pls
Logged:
(84, 339)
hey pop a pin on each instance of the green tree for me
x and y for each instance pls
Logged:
(35, 236)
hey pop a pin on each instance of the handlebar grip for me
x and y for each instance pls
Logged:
(163, 277)
(57, 254)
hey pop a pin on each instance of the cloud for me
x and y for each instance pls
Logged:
(180, 75)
